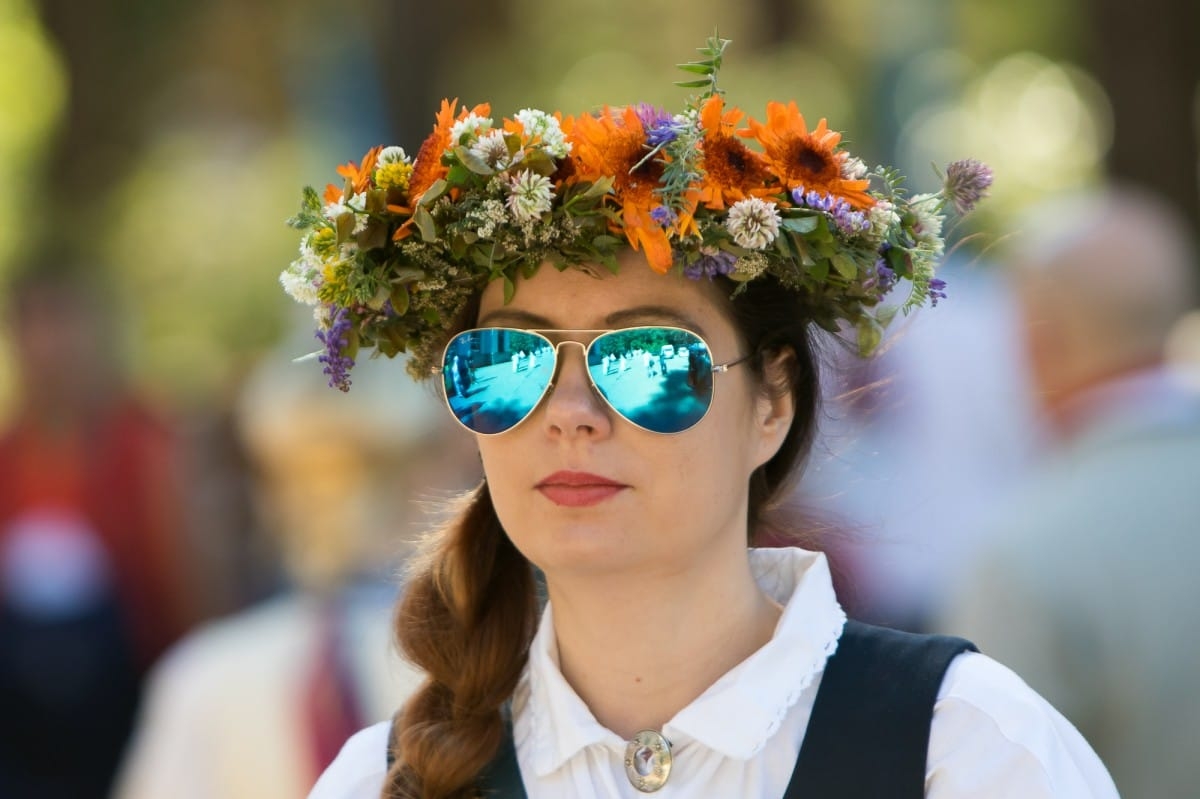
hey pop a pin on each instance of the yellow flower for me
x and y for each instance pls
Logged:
(393, 176)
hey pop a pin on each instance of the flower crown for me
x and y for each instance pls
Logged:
(390, 258)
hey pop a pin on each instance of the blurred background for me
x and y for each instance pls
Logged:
(168, 473)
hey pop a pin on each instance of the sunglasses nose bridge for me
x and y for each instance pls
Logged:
(560, 362)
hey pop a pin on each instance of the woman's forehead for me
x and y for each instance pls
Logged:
(577, 299)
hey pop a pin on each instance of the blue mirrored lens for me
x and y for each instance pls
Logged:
(495, 376)
(659, 378)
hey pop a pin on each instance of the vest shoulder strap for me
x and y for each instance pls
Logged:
(869, 731)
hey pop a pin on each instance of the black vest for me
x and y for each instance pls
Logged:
(869, 731)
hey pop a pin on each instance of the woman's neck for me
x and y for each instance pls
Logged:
(639, 652)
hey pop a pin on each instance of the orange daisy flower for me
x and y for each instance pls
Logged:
(802, 158)
(610, 145)
(732, 171)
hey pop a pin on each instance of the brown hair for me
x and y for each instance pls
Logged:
(470, 607)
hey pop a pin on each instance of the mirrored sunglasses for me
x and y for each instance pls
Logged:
(657, 378)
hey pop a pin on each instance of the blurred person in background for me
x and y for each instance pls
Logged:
(917, 442)
(254, 706)
(1089, 590)
(92, 583)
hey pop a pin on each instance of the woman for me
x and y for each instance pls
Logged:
(669, 656)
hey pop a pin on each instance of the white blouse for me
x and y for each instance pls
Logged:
(992, 736)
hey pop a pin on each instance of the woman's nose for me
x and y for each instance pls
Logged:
(573, 408)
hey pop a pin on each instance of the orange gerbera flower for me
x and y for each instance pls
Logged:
(732, 171)
(612, 145)
(800, 158)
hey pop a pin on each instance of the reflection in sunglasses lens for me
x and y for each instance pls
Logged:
(659, 378)
(495, 376)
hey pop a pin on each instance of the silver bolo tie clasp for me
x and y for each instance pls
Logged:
(648, 760)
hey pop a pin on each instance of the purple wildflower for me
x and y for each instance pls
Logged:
(966, 183)
(847, 220)
(937, 291)
(659, 125)
(885, 275)
(335, 339)
(663, 215)
(710, 265)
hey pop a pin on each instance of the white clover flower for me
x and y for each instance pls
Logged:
(882, 218)
(753, 223)
(544, 126)
(853, 168)
(471, 125)
(928, 228)
(492, 149)
(530, 195)
(392, 155)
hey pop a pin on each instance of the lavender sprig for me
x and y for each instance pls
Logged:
(336, 339)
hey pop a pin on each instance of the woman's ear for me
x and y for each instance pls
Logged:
(775, 407)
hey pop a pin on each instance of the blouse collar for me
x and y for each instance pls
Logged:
(738, 713)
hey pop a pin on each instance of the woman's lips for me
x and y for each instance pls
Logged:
(578, 489)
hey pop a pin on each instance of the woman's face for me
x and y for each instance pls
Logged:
(581, 490)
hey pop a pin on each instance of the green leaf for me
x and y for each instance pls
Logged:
(381, 295)
(800, 224)
(474, 162)
(458, 175)
(510, 288)
(598, 189)
(870, 334)
(698, 67)
(344, 226)
(373, 236)
(399, 298)
(820, 270)
(693, 84)
(402, 275)
(424, 222)
(435, 191)
(844, 265)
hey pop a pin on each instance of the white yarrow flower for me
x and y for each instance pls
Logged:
(356, 205)
(753, 223)
(544, 126)
(334, 209)
(530, 195)
(299, 281)
(472, 124)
